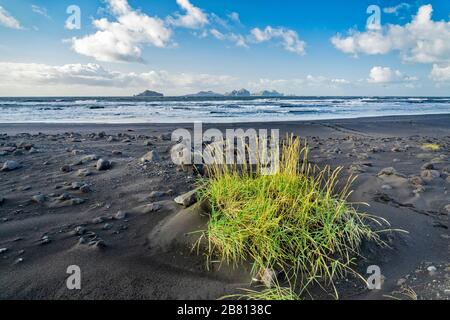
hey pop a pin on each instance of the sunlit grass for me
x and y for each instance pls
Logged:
(430, 147)
(276, 293)
(294, 222)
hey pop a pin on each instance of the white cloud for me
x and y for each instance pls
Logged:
(40, 10)
(237, 39)
(289, 38)
(234, 16)
(7, 20)
(396, 9)
(384, 75)
(123, 39)
(193, 19)
(440, 73)
(422, 40)
(87, 76)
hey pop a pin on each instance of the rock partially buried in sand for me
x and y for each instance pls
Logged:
(431, 270)
(447, 209)
(10, 165)
(121, 215)
(430, 174)
(151, 156)
(88, 158)
(84, 172)
(428, 166)
(148, 208)
(387, 172)
(3, 250)
(103, 165)
(39, 199)
(187, 199)
(66, 169)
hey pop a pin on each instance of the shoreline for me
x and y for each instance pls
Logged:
(57, 209)
(440, 120)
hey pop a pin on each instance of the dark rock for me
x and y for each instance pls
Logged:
(187, 199)
(10, 165)
(66, 169)
(151, 156)
(103, 165)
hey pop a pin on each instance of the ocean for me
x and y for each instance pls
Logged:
(222, 109)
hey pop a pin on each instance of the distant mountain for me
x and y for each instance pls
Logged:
(267, 93)
(205, 94)
(149, 93)
(239, 93)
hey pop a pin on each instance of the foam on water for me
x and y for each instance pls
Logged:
(179, 109)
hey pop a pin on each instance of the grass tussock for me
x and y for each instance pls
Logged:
(431, 147)
(294, 222)
(276, 293)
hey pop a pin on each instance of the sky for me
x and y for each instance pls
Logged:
(120, 47)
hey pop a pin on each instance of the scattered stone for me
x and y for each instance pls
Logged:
(3, 250)
(430, 174)
(148, 143)
(85, 188)
(77, 152)
(45, 240)
(151, 156)
(98, 220)
(76, 185)
(428, 166)
(416, 181)
(432, 270)
(447, 209)
(157, 194)
(187, 199)
(84, 172)
(39, 199)
(75, 201)
(387, 172)
(66, 169)
(33, 151)
(103, 165)
(111, 139)
(148, 208)
(63, 197)
(80, 230)
(356, 168)
(121, 215)
(89, 158)
(117, 153)
(10, 165)
(386, 187)
(107, 226)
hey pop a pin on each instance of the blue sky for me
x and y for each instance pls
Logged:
(184, 46)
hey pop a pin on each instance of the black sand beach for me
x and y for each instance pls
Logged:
(57, 209)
